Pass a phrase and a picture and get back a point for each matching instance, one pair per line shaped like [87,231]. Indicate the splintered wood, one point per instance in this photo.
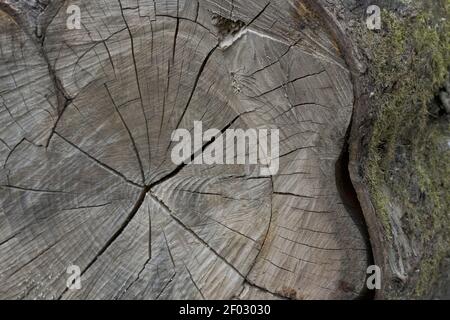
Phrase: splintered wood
[87,180]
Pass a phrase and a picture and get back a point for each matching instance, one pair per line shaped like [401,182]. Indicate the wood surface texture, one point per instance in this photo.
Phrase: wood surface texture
[86,118]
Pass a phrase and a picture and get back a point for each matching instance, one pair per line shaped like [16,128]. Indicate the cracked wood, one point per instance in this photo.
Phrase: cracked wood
[86,122]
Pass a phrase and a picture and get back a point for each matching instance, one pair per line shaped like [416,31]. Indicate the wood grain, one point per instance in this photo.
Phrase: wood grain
[86,122]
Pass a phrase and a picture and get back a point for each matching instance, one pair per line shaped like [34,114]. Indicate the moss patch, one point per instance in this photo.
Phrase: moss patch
[408,152]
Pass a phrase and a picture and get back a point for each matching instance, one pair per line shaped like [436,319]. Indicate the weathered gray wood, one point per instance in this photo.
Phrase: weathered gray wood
[89,181]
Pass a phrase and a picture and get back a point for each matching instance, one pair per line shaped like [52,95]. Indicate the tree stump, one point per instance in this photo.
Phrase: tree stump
[87,116]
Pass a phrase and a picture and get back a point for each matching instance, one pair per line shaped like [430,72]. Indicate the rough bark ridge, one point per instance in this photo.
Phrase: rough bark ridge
[86,123]
[401,210]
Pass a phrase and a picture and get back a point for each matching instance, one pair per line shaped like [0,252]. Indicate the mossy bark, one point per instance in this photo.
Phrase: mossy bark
[399,144]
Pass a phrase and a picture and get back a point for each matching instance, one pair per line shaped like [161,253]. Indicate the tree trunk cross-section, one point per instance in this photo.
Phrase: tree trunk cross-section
[86,119]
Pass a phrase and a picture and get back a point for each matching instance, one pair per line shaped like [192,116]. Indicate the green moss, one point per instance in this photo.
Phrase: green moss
[433,171]
[410,62]
[429,272]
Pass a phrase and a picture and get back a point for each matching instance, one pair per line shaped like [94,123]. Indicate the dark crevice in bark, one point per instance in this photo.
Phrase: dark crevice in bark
[356,68]
[351,203]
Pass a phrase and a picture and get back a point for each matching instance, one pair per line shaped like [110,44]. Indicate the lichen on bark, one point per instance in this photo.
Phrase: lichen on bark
[408,167]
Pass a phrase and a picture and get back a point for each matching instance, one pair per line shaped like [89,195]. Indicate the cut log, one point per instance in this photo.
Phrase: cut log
[87,177]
